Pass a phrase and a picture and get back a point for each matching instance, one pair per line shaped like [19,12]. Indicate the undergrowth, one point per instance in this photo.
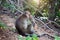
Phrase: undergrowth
[2,25]
[57,38]
[34,37]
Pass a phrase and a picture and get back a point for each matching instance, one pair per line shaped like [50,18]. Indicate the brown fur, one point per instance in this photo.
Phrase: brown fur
[22,25]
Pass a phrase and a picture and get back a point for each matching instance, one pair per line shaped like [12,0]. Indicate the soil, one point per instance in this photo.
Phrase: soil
[8,34]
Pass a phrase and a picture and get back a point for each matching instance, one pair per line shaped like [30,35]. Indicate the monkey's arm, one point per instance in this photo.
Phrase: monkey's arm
[32,19]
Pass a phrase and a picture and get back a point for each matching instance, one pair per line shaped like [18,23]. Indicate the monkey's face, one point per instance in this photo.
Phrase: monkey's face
[27,14]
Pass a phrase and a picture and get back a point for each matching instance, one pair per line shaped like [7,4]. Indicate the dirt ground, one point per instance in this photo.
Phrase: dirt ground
[8,34]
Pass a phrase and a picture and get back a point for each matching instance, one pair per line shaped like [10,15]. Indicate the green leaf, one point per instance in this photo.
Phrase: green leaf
[28,38]
[57,38]
[34,37]
[20,38]
[2,25]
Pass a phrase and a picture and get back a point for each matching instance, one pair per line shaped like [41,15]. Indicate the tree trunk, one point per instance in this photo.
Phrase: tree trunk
[52,10]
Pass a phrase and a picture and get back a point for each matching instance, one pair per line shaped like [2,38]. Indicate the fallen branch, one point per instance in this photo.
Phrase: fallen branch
[45,25]
[56,24]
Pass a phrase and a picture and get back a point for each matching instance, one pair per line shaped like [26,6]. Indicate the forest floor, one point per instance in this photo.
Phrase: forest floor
[8,34]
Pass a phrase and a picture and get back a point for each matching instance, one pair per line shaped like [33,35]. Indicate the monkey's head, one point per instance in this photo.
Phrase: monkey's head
[27,13]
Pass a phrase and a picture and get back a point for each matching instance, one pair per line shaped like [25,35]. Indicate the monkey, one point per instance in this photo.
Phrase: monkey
[25,24]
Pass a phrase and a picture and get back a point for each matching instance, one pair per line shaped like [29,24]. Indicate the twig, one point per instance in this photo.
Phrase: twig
[53,22]
[45,25]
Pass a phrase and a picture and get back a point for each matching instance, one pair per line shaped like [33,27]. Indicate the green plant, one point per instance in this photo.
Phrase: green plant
[57,38]
[34,37]
[28,38]
[9,6]
[20,38]
[2,25]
